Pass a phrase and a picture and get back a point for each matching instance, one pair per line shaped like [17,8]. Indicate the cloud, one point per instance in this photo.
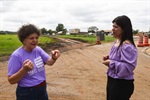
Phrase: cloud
[73,13]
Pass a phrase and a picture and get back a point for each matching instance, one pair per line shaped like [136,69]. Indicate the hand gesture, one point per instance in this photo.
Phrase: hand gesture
[106,60]
[105,57]
[28,65]
[55,54]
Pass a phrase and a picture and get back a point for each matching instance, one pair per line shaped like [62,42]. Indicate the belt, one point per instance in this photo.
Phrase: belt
[40,85]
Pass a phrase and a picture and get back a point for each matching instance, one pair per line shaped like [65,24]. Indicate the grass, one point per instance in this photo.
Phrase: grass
[88,39]
[9,43]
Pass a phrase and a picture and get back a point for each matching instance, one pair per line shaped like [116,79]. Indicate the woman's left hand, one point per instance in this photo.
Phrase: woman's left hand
[55,54]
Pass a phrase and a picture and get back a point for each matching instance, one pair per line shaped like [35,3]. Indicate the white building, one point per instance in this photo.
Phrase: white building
[74,31]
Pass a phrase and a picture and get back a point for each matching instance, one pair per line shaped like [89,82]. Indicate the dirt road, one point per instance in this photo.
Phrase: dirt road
[80,75]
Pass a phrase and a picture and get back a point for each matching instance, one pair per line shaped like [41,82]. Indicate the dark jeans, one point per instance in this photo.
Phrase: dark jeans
[31,93]
[119,89]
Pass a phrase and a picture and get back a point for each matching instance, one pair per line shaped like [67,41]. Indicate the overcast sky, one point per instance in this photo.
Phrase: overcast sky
[73,13]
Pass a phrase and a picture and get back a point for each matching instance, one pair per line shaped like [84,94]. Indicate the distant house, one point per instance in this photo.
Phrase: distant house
[74,31]
[83,33]
[60,32]
[106,31]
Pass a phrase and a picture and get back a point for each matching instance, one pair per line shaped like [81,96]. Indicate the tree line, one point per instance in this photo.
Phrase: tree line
[60,28]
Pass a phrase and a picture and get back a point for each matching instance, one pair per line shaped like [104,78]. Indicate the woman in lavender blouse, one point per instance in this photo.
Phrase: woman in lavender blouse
[121,61]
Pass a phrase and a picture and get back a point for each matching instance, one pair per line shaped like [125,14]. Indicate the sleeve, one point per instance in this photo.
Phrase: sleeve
[44,55]
[14,65]
[127,62]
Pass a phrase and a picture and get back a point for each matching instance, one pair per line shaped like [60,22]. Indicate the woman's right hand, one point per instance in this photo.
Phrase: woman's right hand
[28,65]
[105,57]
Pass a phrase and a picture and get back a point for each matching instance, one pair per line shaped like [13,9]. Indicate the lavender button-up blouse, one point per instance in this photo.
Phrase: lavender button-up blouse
[122,62]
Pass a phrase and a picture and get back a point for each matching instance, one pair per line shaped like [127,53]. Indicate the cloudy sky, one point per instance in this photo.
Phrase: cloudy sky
[73,13]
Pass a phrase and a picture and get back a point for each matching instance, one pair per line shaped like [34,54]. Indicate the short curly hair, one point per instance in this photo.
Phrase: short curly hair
[26,30]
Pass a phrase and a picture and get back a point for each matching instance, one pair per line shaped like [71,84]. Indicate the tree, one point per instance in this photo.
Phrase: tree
[135,31]
[60,27]
[92,29]
[44,31]
[49,31]
[65,31]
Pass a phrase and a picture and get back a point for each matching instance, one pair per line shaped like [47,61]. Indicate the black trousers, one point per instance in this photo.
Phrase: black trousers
[119,89]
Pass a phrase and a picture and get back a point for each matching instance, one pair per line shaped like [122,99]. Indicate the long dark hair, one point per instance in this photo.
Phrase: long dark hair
[125,23]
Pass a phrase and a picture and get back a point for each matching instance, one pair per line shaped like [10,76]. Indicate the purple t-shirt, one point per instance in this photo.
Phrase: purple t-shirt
[35,76]
[122,61]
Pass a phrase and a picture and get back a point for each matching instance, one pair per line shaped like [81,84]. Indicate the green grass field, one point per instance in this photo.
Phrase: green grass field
[9,43]
[89,39]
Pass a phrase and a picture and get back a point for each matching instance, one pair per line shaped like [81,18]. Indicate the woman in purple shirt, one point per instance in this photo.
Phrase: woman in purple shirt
[26,65]
[121,61]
